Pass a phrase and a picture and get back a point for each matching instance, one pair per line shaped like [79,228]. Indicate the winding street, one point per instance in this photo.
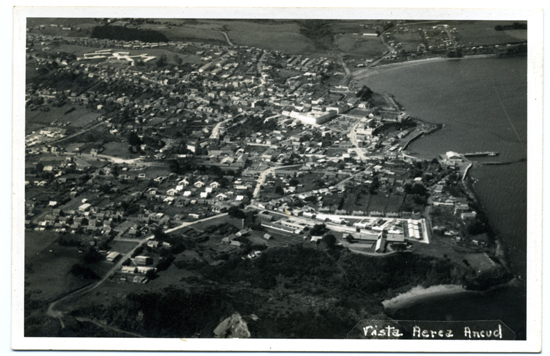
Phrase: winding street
[216,130]
[261,179]
[78,293]
[347,78]
[353,138]
[227,38]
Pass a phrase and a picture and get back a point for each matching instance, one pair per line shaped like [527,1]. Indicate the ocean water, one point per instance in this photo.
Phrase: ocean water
[483,105]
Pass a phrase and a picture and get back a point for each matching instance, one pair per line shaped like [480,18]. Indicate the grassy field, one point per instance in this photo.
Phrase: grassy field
[117,149]
[85,26]
[394,202]
[359,46]
[356,200]
[50,271]
[274,35]
[122,246]
[409,40]
[189,32]
[201,226]
[484,33]
[77,118]
[355,26]
[37,241]
[378,202]
[155,171]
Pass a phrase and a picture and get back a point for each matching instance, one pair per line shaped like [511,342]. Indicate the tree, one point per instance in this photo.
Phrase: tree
[39,167]
[476,227]
[92,255]
[174,166]
[159,234]
[329,240]
[133,139]
[318,229]
[150,274]
[235,212]
[279,190]
[161,61]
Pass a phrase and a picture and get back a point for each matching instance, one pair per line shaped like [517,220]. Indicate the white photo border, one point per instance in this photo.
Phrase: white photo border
[534,196]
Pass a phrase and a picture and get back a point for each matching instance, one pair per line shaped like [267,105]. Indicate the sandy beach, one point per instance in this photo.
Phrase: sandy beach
[418,292]
[364,73]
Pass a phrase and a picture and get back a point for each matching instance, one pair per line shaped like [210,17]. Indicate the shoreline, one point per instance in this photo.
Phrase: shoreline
[418,293]
[373,70]
[499,250]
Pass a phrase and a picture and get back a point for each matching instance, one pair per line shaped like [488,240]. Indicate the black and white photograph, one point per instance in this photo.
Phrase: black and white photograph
[226,180]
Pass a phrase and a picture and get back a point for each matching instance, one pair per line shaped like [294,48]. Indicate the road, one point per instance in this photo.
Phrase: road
[73,135]
[216,130]
[348,77]
[261,179]
[340,184]
[353,138]
[227,38]
[383,40]
[108,327]
[259,65]
[120,160]
[59,314]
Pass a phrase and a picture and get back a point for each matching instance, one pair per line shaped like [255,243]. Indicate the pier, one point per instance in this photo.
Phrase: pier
[417,135]
[488,153]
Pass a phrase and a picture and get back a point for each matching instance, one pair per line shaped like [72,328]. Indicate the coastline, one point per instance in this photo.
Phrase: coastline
[418,293]
[374,69]
[500,251]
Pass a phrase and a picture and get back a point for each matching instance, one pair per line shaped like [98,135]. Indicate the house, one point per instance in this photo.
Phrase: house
[143,260]
[468,215]
[153,243]
[204,195]
[199,184]
[221,197]
[140,279]
[229,238]
[113,256]
[267,236]
[214,185]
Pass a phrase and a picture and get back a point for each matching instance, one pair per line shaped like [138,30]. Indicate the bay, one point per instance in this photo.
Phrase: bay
[483,106]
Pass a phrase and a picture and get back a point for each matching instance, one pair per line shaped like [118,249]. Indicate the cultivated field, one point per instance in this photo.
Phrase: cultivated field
[484,33]
[79,117]
[122,247]
[409,40]
[356,45]
[50,271]
[202,32]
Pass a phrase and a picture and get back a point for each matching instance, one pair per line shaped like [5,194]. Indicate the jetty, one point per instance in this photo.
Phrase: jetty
[473,154]
[414,137]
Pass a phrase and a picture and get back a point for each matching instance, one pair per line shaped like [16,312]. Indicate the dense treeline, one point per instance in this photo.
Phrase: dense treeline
[127,34]
[340,287]
[514,26]
[319,31]
[169,313]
